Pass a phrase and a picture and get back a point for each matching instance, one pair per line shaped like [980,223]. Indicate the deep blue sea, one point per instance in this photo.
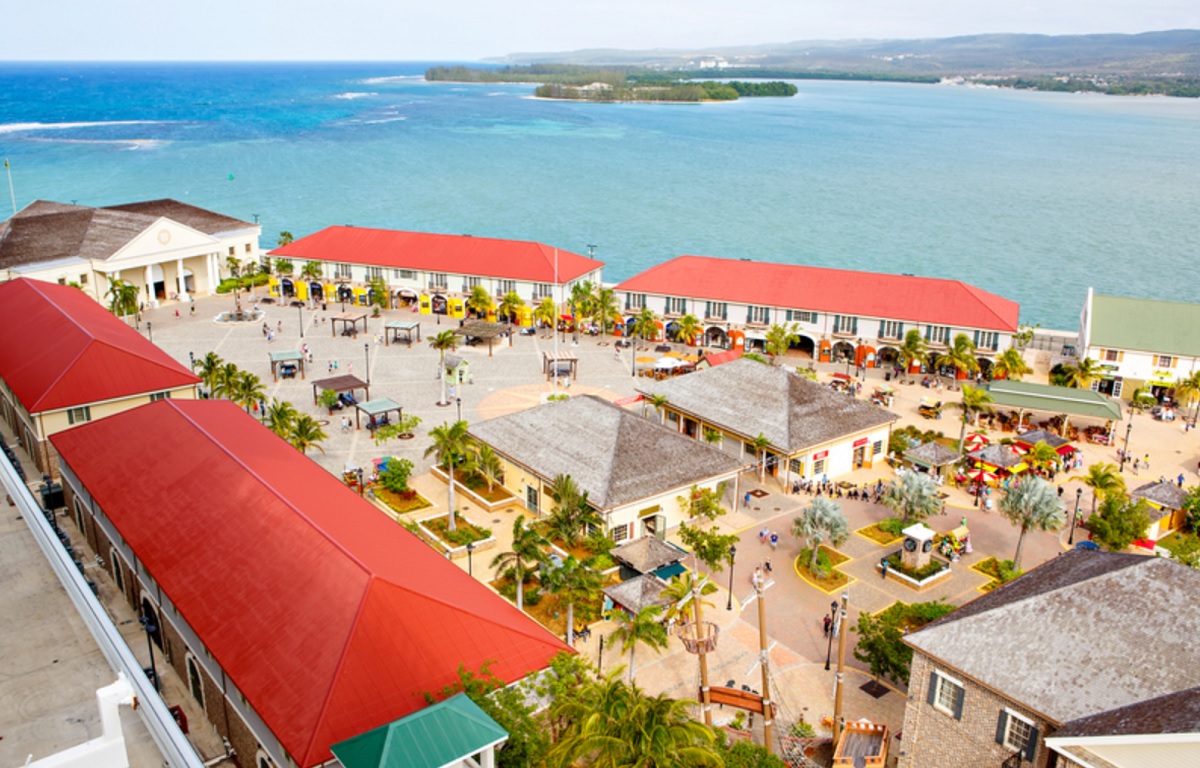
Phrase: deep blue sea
[1033,196]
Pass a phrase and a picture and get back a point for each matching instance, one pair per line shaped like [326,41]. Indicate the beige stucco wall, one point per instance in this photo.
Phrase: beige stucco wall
[52,422]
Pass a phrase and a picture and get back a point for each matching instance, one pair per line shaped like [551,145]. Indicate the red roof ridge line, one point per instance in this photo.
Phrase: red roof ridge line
[287,502]
[91,336]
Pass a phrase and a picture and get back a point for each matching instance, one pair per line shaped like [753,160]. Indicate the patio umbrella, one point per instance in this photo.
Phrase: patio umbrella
[667,363]
[673,353]
[841,377]
[975,441]
[646,359]
[983,476]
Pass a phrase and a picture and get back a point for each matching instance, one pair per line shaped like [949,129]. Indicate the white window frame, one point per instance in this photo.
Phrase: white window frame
[1163,361]
[758,315]
[156,396]
[716,310]
[504,287]
[676,305]
[891,329]
[374,273]
[635,301]
[953,683]
[80,415]
[1030,728]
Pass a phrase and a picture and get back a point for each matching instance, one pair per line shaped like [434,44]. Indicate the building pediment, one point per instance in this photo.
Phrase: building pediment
[162,240]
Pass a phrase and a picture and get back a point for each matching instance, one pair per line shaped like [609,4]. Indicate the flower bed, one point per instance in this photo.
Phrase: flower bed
[919,579]
[878,535]
[833,579]
[996,571]
[464,531]
[400,503]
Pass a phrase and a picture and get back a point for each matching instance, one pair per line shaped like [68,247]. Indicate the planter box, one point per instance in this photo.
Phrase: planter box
[893,573]
[452,552]
[490,506]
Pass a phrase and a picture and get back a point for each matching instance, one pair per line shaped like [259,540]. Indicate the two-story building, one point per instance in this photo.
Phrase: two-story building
[65,360]
[1039,671]
[840,315]
[297,614]
[1139,343]
[167,249]
[811,430]
[633,470]
[434,272]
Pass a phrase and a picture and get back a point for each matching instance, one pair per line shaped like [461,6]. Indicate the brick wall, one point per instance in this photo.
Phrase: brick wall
[933,738]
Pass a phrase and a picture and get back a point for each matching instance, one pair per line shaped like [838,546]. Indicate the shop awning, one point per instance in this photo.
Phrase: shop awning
[440,735]
[668,572]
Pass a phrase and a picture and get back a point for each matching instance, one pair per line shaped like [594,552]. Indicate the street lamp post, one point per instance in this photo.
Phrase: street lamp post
[192,359]
[732,556]
[367,350]
[150,630]
[149,331]
[361,490]
[470,549]
[833,615]
[1075,516]
[1124,453]
[458,405]
[300,312]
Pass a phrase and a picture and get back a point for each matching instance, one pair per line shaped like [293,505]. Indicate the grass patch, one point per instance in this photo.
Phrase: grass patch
[878,535]
[826,577]
[464,533]
[934,566]
[1180,540]
[400,503]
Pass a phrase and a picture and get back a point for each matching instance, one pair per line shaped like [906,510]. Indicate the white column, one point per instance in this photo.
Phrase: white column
[209,260]
[179,281]
[149,286]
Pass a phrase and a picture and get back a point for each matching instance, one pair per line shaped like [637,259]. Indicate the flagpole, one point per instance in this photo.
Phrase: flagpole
[555,322]
[11,196]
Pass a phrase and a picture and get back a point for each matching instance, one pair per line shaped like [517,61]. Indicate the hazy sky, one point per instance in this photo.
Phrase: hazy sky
[474,29]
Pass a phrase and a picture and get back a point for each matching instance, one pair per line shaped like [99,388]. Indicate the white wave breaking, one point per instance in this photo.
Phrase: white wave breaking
[354,95]
[24,127]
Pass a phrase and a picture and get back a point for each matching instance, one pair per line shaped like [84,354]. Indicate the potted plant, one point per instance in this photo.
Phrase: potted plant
[406,424]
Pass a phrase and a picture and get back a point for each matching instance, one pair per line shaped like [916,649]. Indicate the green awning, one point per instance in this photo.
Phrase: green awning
[667,572]
[438,736]
[1026,396]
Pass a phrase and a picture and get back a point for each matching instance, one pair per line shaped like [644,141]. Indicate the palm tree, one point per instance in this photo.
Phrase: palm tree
[488,465]
[449,448]
[285,238]
[761,444]
[660,403]
[573,582]
[248,391]
[612,724]
[780,338]
[208,366]
[1081,375]
[960,355]
[641,627]
[605,308]
[281,415]
[123,297]
[311,271]
[1041,456]
[913,350]
[914,495]
[546,312]
[528,549]
[646,324]
[446,340]
[687,328]
[225,380]
[480,302]
[1011,365]
[975,400]
[681,592]
[1104,480]
[1187,391]
[307,433]
[1032,504]
[822,520]
[509,303]
[284,267]
[581,302]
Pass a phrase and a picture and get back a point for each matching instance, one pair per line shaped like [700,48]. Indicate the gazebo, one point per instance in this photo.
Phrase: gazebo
[649,555]
[339,384]
[1027,440]
[1166,500]
[998,458]
[481,330]
[349,321]
[376,410]
[394,328]
[286,356]
[552,363]
[932,456]
[637,593]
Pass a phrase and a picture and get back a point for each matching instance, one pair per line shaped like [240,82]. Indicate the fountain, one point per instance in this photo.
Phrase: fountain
[240,315]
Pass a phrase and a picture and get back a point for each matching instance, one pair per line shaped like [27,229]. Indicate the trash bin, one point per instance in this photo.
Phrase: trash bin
[887,376]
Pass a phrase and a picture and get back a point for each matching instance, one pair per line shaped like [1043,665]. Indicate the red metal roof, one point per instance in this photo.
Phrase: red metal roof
[452,254]
[871,294]
[70,351]
[330,618]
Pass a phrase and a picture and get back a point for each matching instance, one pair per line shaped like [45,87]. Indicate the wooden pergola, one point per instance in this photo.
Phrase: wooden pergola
[349,321]
[552,360]
[286,356]
[396,327]
[340,384]
[482,330]
[376,408]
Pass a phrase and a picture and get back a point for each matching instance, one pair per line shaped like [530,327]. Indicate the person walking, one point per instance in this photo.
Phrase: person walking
[767,565]
[746,499]
[774,540]
[883,569]
[826,622]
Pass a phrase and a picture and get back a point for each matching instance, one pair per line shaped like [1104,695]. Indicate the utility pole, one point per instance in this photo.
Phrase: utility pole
[768,714]
[705,697]
[837,696]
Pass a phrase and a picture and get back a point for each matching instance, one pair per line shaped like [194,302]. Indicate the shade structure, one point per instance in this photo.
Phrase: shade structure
[667,364]
[975,441]
[841,376]
[982,476]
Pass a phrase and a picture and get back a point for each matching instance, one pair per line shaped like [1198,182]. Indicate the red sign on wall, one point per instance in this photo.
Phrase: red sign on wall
[821,455]
[860,441]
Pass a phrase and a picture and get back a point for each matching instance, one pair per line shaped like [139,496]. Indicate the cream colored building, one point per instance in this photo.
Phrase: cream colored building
[169,250]
[633,470]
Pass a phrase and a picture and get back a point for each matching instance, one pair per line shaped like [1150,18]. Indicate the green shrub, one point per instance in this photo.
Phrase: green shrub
[533,595]
[1005,572]
[508,589]
[395,477]
[226,285]
[892,525]
[803,730]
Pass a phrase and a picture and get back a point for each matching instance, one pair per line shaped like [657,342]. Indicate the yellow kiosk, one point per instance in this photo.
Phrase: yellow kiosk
[456,307]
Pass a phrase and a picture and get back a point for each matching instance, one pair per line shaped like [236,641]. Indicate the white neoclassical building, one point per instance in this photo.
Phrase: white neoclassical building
[168,249]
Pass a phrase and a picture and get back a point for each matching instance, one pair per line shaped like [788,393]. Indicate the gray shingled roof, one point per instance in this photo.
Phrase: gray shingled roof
[647,554]
[46,231]
[1036,436]
[616,456]
[748,398]
[997,455]
[933,454]
[1177,712]
[1164,493]
[638,592]
[1084,633]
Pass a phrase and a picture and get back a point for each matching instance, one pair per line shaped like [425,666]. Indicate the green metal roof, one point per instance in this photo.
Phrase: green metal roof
[284,355]
[378,406]
[435,737]
[1027,396]
[1165,327]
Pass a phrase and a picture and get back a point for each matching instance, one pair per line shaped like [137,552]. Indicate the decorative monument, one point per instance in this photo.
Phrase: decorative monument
[918,546]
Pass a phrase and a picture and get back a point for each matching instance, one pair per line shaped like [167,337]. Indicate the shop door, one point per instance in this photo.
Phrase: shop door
[860,454]
[531,498]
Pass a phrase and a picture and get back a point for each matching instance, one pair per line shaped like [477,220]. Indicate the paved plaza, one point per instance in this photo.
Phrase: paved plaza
[511,379]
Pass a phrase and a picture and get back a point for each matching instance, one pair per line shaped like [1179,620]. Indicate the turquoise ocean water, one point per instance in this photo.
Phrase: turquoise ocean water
[1032,196]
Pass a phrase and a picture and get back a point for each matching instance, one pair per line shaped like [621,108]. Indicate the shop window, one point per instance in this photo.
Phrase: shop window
[819,467]
[801,316]
[620,533]
[542,291]
[986,339]
[374,273]
[946,694]
[876,447]
[937,334]
[796,466]
[79,415]
[635,300]
[716,310]
[758,315]
[470,284]
[890,329]
[845,325]
[1164,361]
[83,279]
[505,286]
[406,274]
[676,306]
[1111,355]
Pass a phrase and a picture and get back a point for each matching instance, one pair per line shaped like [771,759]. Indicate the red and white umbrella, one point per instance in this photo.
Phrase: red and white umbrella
[975,441]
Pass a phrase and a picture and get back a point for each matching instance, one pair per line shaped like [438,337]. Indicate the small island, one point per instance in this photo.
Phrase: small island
[603,84]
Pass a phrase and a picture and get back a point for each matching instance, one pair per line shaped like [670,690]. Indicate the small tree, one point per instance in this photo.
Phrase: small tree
[328,399]
[1032,505]
[528,551]
[780,338]
[913,495]
[710,547]
[822,520]
[307,433]
[573,582]
[395,475]
[1120,522]
[641,627]
[704,503]
[881,648]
